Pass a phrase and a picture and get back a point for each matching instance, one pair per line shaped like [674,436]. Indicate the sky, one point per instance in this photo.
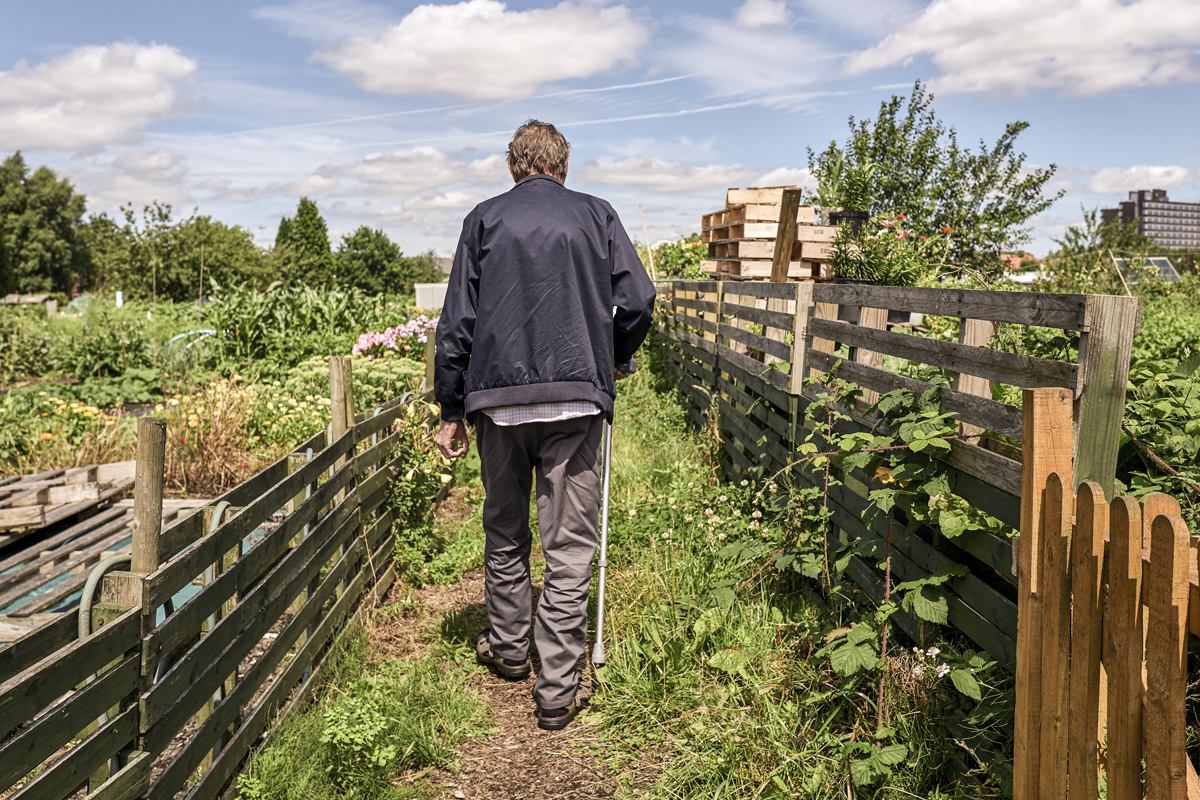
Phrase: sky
[396,115]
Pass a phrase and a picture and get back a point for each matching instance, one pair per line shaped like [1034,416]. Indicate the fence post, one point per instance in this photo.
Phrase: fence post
[341,404]
[1047,449]
[1087,565]
[121,590]
[430,360]
[785,235]
[1104,347]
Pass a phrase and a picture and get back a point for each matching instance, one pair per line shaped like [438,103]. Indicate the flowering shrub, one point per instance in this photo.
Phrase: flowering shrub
[407,340]
[888,251]
[42,430]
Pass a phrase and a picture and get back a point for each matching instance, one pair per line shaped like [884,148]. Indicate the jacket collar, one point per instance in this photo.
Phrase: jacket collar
[537,177]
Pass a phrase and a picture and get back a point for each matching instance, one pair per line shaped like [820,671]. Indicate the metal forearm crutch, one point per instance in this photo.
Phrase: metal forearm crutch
[598,649]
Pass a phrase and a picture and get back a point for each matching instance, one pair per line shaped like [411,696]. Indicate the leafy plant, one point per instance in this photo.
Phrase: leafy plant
[886,251]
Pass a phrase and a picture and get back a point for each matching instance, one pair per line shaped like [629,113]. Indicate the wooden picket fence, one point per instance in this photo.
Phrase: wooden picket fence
[175,686]
[1108,593]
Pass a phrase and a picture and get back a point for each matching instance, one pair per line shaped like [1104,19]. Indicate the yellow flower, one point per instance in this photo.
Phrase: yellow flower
[46,436]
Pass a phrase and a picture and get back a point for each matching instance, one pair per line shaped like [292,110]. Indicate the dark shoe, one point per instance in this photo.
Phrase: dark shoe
[505,668]
[555,719]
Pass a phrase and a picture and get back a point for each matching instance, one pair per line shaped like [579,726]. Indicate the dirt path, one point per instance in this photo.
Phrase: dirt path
[518,761]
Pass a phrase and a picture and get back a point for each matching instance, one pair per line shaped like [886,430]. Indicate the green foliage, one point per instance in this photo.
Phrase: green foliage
[302,253]
[369,260]
[156,256]
[914,165]
[385,719]
[1083,260]
[679,259]
[888,252]
[40,246]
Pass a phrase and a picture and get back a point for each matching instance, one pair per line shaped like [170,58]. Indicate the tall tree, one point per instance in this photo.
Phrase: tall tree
[302,246]
[908,161]
[40,244]
[369,260]
[157,256]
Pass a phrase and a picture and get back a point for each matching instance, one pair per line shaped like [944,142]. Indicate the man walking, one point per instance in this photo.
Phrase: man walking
[529,349]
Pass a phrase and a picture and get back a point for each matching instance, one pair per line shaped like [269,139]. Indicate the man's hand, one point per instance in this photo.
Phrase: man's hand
[452,439]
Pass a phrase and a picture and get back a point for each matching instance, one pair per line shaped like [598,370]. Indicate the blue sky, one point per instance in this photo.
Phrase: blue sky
[396,115]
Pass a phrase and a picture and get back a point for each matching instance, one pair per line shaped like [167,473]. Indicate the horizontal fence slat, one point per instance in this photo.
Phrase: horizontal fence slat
[757,341]
[764,372]
[38,644]
[981,411]
[61,778]
[774,291]
[1010,368]
[1063,311]
[25,694]
[45,735]
[772,319]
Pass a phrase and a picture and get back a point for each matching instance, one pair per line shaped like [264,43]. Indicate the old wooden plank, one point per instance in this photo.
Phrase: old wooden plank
[974,333]
[1122,655]
[1165,721]
[130,783]
[764,372]
[785,236]
[780,320]
[1003,473]
[1063,311]
[1104,363]
[801,315]
[759,289]
[44,735]
[25,694]
[38,644]
[870,318]
[981,411]
[62,777]
[1087,566]
[1054,582]
[1047,450]
[1010,368]
[757,341]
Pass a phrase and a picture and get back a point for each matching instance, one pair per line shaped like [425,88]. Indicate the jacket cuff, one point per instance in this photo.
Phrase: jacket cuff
[452,413]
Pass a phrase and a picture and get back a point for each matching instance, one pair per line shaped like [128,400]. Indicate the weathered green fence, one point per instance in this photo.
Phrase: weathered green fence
[220,625]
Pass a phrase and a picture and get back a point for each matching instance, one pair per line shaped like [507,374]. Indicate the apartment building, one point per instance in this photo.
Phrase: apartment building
[1166,222]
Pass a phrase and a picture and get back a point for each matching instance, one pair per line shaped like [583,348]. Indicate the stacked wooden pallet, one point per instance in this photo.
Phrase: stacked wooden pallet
[31,502]
[741,237]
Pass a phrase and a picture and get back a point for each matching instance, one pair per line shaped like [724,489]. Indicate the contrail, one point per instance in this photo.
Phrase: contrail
[460,106]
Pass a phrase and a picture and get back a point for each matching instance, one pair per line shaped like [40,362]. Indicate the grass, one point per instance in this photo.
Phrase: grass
[727,684]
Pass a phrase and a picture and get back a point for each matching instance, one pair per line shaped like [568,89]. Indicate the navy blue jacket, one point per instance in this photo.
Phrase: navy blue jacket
[528,316]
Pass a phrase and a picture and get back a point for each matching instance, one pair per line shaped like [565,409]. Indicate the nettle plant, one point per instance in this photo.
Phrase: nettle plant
[909,488]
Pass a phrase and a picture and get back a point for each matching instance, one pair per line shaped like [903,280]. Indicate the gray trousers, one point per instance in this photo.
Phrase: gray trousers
[565,458]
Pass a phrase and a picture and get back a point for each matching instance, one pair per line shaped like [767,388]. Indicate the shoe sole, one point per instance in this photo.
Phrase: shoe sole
[555,725]
[518,674]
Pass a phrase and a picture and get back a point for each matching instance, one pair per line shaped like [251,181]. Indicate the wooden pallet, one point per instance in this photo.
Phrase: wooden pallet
[757,269]
[34,501]
[751,213]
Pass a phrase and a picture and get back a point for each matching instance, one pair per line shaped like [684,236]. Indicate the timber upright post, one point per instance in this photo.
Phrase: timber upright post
[1047,444]
[341,396]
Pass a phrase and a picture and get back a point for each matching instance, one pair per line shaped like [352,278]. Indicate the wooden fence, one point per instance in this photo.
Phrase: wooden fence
[168,695]
[745,350]
[1106,592]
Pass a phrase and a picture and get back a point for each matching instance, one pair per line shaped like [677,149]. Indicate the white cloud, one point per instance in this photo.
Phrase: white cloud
[871,18]
[660,175]
[789,176]
[416,169]
[132,176]
[1076,46]
[90,96]
[761,13]
[1141,176]
[481,50]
